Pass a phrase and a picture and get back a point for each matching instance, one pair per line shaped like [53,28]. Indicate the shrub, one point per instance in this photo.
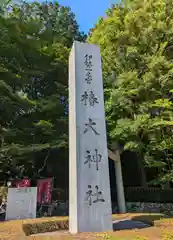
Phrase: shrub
[45,226]
[3,193]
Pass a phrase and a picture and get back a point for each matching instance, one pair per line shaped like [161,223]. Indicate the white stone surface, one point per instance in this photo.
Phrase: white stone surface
[21,203]
[84,217]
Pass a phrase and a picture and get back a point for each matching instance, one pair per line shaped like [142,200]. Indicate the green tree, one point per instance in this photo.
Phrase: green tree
[35,42]
[136,47]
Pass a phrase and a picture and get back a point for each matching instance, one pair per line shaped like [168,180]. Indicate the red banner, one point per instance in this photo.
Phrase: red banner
[23,183]
[44,190]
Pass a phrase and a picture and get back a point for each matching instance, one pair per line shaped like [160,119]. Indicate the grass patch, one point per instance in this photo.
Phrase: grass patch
[167,234]
[165,222]
[17,230]
[108,237]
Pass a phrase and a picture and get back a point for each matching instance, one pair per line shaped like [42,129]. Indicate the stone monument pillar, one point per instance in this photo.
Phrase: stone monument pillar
[89,187]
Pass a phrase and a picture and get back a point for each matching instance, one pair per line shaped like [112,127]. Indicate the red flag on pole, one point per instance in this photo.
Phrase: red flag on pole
[44,190]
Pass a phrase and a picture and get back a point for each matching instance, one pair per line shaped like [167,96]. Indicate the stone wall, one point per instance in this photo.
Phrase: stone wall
[166,208]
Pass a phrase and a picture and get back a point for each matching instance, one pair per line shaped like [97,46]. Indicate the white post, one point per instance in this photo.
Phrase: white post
[115,156]
[89,187]
[119,184]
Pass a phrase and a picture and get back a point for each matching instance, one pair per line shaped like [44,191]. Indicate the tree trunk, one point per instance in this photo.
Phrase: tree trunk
[142,172]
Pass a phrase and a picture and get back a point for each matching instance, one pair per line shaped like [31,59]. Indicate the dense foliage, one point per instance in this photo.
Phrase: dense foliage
[35,40]
[136,41]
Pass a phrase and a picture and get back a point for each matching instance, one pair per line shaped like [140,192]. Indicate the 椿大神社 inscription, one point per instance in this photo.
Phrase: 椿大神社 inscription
[89,188]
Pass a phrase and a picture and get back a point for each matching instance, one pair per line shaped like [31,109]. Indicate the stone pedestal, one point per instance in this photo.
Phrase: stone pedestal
[89,196]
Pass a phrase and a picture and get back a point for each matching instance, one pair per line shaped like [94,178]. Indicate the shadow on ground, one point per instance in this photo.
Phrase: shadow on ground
[149,218]
[137,222]
[128,224]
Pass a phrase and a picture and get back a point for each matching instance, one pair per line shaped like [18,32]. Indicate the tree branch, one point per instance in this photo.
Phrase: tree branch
[45,162]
